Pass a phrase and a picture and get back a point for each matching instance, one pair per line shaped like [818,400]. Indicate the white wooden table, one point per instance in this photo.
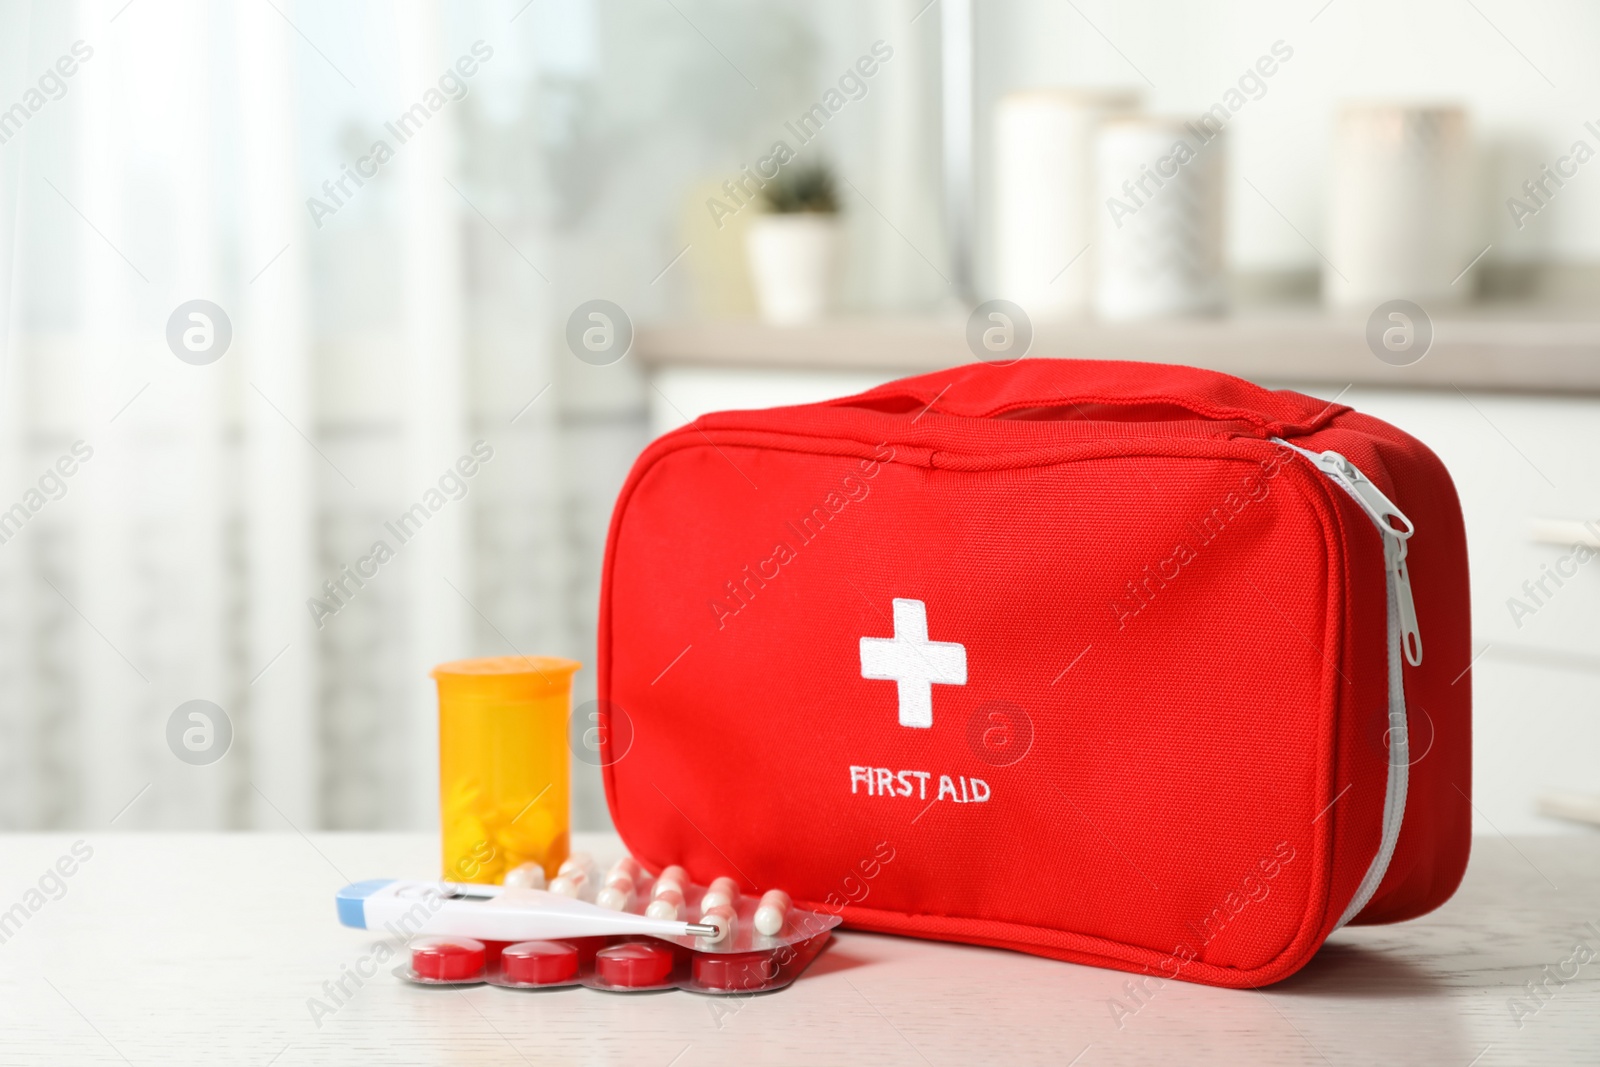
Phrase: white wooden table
[207,948]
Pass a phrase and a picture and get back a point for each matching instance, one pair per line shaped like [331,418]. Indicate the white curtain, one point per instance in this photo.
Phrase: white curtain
[175,163]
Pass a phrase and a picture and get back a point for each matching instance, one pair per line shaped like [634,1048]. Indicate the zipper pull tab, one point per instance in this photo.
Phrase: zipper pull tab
[1394,554]
[1379,507]
[1393,526]
[1396,529]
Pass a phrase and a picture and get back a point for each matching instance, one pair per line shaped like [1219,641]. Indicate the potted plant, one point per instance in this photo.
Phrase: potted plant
[793,246]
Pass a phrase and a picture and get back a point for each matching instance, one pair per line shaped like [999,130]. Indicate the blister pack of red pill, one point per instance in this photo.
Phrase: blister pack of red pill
[618,965]
[735,943]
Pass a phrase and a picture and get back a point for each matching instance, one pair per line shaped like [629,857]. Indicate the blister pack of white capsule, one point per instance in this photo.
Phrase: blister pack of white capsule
[624,931]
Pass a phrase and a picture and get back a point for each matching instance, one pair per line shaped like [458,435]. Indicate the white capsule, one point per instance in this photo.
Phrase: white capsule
[723,891]
[526,876]
[616,896]
[720,916]
[575,884]
[629,866]
[673,877]
[666,905]
[580,861]
[773,912]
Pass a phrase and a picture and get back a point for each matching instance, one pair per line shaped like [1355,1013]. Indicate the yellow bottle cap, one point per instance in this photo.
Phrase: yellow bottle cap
[508,678]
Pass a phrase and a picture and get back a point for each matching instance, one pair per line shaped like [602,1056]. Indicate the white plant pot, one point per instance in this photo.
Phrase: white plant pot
[794,263]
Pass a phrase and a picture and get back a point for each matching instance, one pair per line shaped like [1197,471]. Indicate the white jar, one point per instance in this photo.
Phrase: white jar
[1160,218]
[1399,223]
[794,263]
[1044,208]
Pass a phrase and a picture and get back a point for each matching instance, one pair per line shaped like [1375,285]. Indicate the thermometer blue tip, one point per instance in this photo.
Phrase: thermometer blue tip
[351,911]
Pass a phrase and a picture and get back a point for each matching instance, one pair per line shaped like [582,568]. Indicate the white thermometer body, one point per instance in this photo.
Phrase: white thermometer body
[490,913]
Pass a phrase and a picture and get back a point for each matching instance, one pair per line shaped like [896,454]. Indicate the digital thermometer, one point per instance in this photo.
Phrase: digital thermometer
[491,913]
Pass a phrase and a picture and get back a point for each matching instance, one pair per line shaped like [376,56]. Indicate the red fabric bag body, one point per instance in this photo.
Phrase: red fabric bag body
[1108,662]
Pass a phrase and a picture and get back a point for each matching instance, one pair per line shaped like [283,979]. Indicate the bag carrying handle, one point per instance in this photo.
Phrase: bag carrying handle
[983,390]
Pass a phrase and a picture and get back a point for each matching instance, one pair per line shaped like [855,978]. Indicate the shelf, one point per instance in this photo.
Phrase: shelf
[1512,349]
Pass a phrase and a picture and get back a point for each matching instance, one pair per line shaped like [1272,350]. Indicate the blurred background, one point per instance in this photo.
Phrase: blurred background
[269,268]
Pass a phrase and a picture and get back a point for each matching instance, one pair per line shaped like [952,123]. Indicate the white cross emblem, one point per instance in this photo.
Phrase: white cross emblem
[913,662]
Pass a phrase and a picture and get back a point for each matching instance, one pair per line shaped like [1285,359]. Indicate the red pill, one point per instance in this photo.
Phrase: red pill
[447,959]
[735,970]
[539,962]
[634,964]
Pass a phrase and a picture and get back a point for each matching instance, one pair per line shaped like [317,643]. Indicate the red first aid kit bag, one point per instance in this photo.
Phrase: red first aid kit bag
[1133,665]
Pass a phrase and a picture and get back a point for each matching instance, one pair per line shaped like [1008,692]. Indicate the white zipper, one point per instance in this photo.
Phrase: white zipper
[1404,640]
